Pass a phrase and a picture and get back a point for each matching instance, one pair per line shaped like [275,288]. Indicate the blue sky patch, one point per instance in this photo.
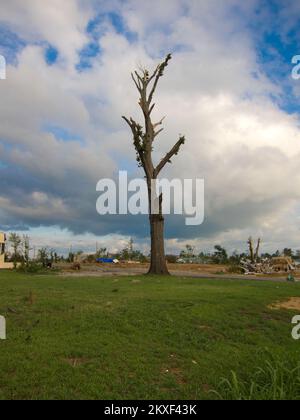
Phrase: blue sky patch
[89,52]
[61,133]
[51,55]
[96,27]
[10,44]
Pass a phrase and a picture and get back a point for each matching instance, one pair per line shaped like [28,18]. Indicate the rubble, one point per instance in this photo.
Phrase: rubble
[268,265]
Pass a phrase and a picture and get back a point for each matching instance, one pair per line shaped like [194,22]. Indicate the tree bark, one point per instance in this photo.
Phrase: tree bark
[257,250]
[158,258]
[158,264]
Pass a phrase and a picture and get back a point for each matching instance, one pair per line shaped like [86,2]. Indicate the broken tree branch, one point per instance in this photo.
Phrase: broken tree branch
[136,82]
[137,137]
[158,132]
[167,159]
[159,123]
[159,72]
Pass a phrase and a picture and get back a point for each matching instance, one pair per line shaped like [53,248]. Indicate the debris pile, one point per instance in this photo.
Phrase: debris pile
[263,267]
[268,265]
[255,265]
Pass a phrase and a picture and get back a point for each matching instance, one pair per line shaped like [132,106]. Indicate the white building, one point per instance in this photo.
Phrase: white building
[3,264]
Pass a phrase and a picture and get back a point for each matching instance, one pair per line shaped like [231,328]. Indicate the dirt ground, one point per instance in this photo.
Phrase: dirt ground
[291,304]
[134,269]
[183,270]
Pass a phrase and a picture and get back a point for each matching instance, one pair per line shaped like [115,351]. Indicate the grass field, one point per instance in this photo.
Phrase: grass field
[146,338]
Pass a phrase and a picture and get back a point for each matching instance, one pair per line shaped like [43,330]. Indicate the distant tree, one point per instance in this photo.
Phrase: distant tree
[71,257]
[91,258]
[205,258]
[253,253]
[26,249]
[124,254]
[130,254]
[52,255]
[256,255]
[220,256]
[16,242]
[43,256]
[188,252]
[235,258]
[127,253]
[138,256]
[101,253]
[130,246]
[288,252]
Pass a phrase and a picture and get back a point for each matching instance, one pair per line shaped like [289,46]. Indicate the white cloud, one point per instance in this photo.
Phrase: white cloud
[62,24]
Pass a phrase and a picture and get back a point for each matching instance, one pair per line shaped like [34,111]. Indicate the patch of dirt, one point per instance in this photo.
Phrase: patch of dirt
[74,362]
[204,327]
[203,268]
[291,304]
[180,379]
[177,374]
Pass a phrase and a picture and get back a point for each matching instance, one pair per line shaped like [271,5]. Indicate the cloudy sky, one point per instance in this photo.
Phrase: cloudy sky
[229,89]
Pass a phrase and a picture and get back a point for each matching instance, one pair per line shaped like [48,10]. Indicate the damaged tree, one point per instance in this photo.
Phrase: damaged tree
[253,255]
[143,140]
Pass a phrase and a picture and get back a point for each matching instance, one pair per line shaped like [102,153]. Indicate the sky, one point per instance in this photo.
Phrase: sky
[229,90]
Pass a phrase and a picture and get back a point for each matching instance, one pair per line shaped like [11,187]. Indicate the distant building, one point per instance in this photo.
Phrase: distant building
[3,264]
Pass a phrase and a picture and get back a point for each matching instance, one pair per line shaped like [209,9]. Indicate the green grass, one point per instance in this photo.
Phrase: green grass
[275,381]
[160,338]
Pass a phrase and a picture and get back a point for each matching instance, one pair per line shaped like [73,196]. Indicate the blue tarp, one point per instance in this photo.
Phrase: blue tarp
[105,260]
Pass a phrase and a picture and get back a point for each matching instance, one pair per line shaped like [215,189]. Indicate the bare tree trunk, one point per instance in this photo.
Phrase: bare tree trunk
[158,258]
[157,224]
[257,250]
[251,250]
[254,255]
